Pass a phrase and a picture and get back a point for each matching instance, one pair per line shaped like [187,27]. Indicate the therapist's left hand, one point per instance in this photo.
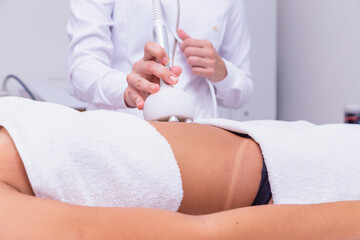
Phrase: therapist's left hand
[203,58]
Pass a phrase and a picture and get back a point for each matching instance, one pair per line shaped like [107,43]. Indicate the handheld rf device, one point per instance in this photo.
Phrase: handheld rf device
[169,104]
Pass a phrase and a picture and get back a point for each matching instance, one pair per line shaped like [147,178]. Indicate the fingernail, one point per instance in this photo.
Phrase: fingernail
[139,105]
[153,88]
[173,79]
[165,60]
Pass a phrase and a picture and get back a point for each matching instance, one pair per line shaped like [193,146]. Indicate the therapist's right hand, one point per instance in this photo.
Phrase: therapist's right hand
[145,75]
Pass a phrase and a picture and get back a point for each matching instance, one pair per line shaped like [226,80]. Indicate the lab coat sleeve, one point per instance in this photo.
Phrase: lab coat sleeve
[89,58]
[235,90]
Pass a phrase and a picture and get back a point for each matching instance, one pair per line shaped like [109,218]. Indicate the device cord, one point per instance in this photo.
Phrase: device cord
[178,40]
[11,76]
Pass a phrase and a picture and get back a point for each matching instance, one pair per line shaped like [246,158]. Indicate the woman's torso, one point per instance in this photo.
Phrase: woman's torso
[219,170]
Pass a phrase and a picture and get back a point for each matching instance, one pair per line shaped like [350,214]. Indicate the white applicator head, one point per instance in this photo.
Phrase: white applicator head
[169,103]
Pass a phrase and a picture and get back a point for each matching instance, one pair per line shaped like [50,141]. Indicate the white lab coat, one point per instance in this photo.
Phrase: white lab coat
[108,36]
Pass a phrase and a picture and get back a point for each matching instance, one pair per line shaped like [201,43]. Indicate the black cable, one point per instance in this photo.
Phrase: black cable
[20,82]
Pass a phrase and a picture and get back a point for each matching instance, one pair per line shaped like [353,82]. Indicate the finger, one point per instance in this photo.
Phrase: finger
[154,68]
[183,35]
[152,78]
[145,95]
[153,51]
[176,70]
[141,84]
[204,72]
[200,52]
[133,98]
[190,42]
[201,62]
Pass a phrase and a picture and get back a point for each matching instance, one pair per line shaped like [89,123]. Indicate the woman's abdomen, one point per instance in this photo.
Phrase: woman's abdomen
[219,170]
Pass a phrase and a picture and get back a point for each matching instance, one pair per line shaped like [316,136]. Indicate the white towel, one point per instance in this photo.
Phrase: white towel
[306,163]
[97,158]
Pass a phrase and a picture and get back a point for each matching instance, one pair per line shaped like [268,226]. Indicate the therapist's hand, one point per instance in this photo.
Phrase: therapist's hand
[203,58]
[145,75]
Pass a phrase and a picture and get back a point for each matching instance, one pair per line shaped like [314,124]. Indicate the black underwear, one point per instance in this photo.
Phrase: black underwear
[264,194]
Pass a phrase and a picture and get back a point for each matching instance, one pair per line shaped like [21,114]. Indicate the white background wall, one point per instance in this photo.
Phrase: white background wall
[319,59]
[33,39]
[33,45]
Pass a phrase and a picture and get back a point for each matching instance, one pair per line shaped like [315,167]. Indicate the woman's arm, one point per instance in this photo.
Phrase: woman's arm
[27,217]
[91,49]
[335,221]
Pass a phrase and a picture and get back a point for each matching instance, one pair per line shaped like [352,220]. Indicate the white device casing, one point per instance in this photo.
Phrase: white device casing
[168,102]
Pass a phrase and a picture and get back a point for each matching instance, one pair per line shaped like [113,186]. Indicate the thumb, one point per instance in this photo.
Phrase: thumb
[183,35]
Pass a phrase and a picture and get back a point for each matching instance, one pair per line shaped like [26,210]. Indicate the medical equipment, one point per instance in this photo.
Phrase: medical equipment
[352,113]
[54,90]
[5,92]
[169,104]
[211,86]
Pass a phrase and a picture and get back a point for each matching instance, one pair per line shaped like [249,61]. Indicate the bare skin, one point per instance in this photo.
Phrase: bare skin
[220,172]
[203,58]
[144,77]
[23,216]
[143,80]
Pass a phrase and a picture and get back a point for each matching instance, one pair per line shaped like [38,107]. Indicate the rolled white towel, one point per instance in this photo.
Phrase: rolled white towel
[96,158]
[307,163]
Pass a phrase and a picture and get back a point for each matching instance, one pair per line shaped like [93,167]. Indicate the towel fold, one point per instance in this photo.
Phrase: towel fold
[96,158]
[306,163]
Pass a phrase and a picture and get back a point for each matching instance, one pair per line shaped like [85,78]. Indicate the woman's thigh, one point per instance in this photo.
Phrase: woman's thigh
[12,171]
[219,170]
